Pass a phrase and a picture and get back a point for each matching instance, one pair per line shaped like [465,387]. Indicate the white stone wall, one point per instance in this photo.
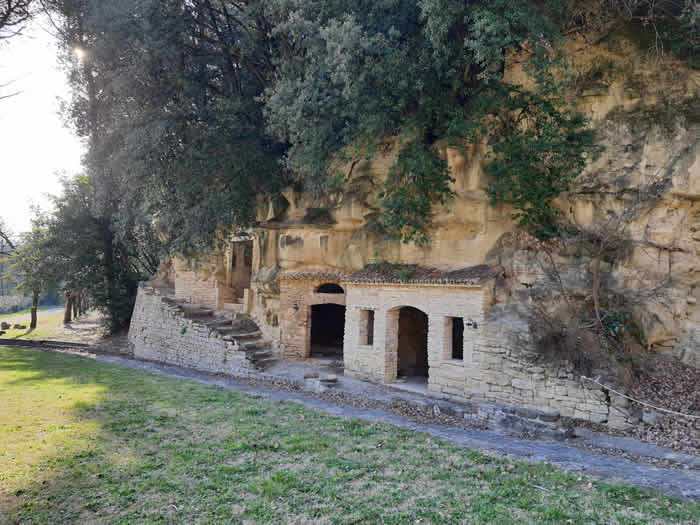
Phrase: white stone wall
[498,365]
[159,332]
[378,362]
[506,370]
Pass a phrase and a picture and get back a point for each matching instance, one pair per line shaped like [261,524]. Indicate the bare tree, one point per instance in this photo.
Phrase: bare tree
[579,312]
[14,14]
[6,243]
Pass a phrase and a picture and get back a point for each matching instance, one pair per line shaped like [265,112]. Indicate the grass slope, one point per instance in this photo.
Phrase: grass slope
[82,441]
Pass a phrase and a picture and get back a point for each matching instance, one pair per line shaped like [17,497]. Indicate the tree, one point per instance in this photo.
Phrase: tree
[28,264]
[193,108]
[6,243]
[14,14]
[90,259]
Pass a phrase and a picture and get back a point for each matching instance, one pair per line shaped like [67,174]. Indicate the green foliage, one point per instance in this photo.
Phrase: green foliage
[539,148]
[417,181]
[193,108]
[29,264]
[88,252]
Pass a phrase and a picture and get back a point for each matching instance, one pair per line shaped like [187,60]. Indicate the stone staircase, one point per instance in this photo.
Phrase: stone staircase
[232,327]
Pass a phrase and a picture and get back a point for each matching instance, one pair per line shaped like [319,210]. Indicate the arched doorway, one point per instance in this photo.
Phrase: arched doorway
[327,330]
[412,350]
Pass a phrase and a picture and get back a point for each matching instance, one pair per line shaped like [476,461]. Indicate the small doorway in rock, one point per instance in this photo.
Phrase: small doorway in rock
[327,330]
[413,345]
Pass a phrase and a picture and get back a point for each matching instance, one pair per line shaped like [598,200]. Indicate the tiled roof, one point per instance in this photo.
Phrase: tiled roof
[417,274]
[312,276]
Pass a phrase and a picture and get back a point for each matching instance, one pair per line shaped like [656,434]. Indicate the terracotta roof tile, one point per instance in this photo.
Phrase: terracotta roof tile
[417,274]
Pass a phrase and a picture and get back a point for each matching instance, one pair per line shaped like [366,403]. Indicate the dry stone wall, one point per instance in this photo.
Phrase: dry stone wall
[193,288]
[160,332]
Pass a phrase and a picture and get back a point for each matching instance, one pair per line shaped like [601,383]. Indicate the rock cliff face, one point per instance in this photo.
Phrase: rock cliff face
[630,248]
[646,113]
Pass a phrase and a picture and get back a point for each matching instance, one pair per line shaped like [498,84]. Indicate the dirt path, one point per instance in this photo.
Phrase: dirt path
[85,329]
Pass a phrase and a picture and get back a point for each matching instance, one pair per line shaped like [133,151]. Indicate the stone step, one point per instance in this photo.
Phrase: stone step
[219,323]
[258,355]
[249,335]
[243,340]
[196,316]
[265,362]
[245,325]
[259,344]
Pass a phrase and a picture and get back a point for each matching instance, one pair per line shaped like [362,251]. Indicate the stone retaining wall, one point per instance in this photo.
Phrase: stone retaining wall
[160,332]
[506,371]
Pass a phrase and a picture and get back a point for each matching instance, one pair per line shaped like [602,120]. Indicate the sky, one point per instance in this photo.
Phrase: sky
[35,145]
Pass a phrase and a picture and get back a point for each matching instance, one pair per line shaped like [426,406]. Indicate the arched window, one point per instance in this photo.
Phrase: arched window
[329,288]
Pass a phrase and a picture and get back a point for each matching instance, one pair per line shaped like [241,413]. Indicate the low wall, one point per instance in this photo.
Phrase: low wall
[505,371]
[160,332]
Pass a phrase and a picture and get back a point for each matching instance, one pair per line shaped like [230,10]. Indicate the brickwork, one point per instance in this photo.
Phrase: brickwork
[379,361]
[192,288]
[496,365]
[159,332]
[297,296]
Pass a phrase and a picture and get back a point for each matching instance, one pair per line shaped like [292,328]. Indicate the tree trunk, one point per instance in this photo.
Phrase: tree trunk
[68,308]
[109,275]
[76,312]
[35,306]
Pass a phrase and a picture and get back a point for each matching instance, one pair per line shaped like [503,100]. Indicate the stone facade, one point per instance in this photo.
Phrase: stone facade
[160,332]
[298,294]
[301,241]
[379,361]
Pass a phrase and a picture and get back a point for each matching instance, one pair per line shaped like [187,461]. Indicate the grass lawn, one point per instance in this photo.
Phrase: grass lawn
[85,442]
[26,312]
[47,325]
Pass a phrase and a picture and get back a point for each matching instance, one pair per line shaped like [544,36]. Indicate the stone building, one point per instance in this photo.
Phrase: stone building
[317,279]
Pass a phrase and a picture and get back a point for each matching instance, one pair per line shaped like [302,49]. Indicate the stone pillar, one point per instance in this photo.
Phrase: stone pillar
[390,344]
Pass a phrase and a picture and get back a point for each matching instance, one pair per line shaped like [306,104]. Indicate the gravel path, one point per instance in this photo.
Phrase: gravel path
[681,480]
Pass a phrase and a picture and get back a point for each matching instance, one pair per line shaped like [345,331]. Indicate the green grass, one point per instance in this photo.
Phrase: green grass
[27,311]
[48,325]
[85,442]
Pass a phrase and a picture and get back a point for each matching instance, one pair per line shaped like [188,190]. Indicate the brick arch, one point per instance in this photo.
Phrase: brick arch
[330,288]
[297,298]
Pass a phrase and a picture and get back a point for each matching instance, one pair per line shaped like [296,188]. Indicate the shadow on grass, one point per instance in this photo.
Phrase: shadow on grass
[98,443]
[20,336]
